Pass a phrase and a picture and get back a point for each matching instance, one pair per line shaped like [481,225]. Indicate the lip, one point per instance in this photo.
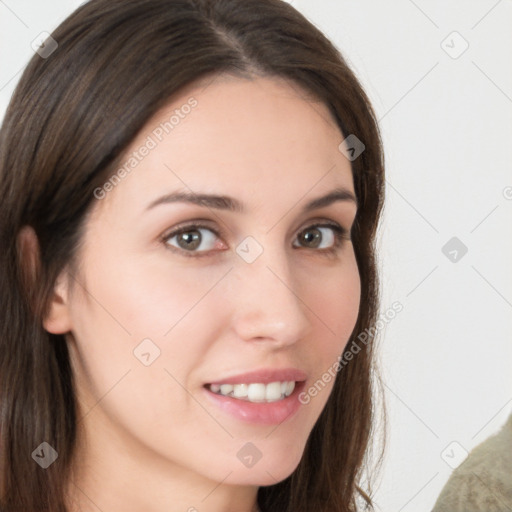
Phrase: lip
[262,413]
[264,376]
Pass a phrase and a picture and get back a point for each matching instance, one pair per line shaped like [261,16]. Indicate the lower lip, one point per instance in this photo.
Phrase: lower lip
[263,413]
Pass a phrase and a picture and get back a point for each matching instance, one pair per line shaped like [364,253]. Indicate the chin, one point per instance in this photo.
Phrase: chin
[269,470]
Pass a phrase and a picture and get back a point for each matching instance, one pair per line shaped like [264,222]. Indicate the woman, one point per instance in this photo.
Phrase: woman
[192,190]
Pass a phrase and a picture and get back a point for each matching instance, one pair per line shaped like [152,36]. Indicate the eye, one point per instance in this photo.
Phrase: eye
[190,238]
[190,241]
[328,237]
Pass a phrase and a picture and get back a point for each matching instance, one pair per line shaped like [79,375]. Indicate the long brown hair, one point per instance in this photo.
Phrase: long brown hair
[72,114]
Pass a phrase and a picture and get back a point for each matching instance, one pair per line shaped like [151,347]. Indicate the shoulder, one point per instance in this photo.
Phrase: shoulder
[483,482]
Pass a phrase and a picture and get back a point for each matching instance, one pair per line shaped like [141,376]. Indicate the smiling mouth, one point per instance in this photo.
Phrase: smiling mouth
[255,392]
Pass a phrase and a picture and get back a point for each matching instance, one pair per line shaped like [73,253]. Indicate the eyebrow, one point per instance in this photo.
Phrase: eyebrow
[232,204]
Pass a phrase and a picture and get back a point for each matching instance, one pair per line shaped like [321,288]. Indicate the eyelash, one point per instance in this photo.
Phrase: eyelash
[340,234]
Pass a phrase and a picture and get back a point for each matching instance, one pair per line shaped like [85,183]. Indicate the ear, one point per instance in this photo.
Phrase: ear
[58,319]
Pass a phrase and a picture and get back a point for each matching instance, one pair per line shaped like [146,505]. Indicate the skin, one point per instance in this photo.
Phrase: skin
[149,440]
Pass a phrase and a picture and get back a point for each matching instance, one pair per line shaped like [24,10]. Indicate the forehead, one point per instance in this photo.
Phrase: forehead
[261,139]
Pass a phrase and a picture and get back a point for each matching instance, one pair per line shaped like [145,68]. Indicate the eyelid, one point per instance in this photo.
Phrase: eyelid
[340,232]
[189,226]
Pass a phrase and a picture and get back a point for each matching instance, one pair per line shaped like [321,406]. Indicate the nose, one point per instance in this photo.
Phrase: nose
[268,306]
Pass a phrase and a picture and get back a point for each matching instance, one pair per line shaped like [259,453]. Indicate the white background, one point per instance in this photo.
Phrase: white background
[447,129]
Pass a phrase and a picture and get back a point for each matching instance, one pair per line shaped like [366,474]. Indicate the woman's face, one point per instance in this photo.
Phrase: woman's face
[247,296]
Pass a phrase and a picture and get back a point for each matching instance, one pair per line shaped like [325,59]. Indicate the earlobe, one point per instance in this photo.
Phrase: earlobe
[58,320]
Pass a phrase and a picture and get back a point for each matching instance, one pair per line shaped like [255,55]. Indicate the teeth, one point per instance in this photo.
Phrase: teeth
[273,391]
[225,389]
[240,390]
[255,392]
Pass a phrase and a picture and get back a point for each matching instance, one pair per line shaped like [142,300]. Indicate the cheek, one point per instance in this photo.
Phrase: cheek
[118,321]
[148,298]
[336,300]
[119,306]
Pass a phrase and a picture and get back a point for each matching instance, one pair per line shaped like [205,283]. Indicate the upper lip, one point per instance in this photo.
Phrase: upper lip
[264,376]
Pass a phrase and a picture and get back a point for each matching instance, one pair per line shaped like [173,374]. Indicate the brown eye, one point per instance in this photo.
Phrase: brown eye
[197,240]
[191,238]
[314,236]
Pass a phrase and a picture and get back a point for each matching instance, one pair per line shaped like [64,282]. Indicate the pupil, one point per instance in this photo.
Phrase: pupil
[314,238]
[191,239]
